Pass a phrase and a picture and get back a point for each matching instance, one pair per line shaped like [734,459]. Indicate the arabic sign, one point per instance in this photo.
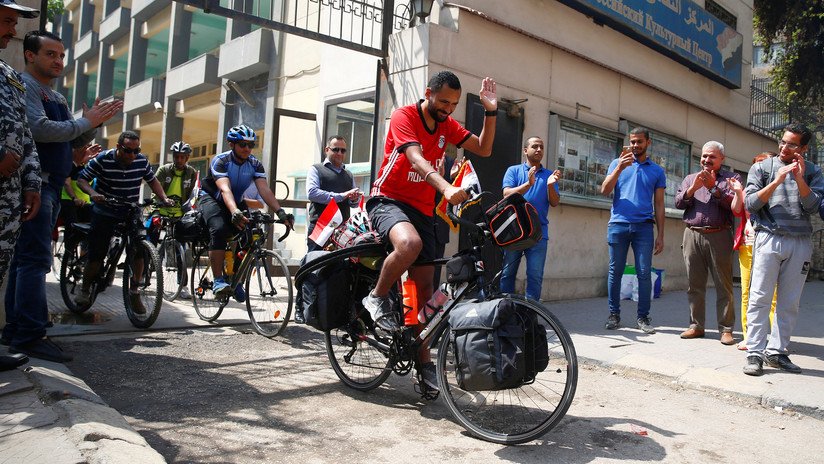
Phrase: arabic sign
[680,29]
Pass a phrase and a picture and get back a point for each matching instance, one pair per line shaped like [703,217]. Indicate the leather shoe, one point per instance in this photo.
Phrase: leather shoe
[692,332]
[12,361]
[726,338]
[782,361]
[755,366]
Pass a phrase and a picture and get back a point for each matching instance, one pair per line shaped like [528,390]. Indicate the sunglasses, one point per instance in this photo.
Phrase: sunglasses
[245,144]
[130,151]
[338,150]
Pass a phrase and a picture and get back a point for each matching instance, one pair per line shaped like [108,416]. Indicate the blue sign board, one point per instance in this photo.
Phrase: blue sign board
[680,29]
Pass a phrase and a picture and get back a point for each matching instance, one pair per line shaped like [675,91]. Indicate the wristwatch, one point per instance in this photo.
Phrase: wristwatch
[713,190]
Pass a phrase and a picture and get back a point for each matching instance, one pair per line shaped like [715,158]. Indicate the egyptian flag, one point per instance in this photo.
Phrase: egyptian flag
[328,221]
[465,178]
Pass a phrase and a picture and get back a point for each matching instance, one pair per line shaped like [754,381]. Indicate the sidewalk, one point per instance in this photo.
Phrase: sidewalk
[48,415]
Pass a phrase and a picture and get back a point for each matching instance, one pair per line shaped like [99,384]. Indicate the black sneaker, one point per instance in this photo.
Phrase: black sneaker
[429,376]
[755,366]
[782,361]
[42,348]
[381,311]
[645,324]
[613,321]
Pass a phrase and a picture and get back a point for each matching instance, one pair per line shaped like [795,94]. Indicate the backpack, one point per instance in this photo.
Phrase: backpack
[323,294]
[514,223]
[488,339]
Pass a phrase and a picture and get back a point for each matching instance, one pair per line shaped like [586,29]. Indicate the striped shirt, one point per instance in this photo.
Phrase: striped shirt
[116,181]
[786,212]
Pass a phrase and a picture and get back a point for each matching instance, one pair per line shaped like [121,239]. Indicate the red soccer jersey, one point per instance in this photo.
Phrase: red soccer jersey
[396,178]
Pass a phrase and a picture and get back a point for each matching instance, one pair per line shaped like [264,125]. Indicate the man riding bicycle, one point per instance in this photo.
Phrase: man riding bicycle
[221,199]
[119,173]
[178,180]
[403,194]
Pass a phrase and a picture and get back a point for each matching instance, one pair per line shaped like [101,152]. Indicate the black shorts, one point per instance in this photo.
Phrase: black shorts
[385,213]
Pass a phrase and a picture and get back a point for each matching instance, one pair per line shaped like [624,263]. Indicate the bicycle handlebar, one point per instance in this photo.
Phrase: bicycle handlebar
[473,196]
[265,218]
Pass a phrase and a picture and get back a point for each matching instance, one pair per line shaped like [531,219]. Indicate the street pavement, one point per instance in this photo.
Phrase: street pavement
[48,415]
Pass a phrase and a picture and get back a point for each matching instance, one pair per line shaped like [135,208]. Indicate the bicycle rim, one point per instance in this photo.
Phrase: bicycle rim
[357,364]
[171,263]
[207,306]
[72,265]
[269,294]
[520,414]
[144,306]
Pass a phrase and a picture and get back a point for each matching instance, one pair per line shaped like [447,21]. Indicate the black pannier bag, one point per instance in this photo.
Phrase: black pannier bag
[488,342]
[514,223]
[536,351]
[323,294]
[191,227]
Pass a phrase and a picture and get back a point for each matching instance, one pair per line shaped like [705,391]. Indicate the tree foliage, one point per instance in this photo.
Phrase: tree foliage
[799,66]
[55,8]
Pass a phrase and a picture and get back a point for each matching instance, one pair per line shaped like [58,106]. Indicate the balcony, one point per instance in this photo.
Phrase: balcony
[193,77]
[86,47]
[145,9]
[142,96]
[246,57]
[115,25]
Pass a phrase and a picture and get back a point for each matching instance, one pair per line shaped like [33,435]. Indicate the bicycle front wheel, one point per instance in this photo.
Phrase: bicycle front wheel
[522,414]
[170,252]
[72,264]
[269,294]
[142,285]
[207,306]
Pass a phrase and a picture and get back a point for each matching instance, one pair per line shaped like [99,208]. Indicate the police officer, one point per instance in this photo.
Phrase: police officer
[19,164]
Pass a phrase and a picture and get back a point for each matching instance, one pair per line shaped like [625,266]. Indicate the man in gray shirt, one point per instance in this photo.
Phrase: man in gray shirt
[782,192]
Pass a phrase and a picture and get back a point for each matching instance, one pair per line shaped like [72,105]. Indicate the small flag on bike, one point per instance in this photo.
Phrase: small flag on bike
[465,178]
[327,222]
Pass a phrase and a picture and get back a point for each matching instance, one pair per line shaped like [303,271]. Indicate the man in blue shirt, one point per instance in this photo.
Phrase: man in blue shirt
[636,181]
[538,186]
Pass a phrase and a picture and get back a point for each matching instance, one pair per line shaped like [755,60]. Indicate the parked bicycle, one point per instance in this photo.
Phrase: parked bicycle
[362,356]
[262,273]
[129,236]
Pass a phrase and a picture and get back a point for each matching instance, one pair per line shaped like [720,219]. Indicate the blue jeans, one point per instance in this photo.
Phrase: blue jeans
[26,309]
[620,235]
[535,259]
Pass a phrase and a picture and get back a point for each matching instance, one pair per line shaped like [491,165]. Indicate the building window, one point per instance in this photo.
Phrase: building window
[672,154]
[759,55]
[719,12]
[584,153]
[354,120]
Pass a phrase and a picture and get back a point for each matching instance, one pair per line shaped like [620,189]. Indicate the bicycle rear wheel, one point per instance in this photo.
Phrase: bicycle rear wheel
[72,264]
[207,306]
[522,414]
[170,252]
[268,294]
[143,307]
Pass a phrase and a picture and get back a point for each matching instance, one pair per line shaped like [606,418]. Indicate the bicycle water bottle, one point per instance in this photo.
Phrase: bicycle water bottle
[439,298]
[410,303]
[229,261]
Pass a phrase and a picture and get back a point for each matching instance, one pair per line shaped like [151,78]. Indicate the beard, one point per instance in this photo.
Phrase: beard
[435,114]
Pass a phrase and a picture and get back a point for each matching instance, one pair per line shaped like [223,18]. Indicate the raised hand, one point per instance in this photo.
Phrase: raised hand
[735,185]
[554,177]
[488,96]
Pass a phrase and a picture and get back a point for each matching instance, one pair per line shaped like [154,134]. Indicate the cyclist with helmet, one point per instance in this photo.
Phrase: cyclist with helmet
[178,181]
[221,199]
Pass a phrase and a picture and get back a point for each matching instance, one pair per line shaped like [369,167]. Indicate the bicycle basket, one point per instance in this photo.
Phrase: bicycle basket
[514,223]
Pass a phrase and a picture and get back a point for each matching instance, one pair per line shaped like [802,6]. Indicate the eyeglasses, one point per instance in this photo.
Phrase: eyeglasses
[130,151]
[338,150]
[789,145]
[245,144]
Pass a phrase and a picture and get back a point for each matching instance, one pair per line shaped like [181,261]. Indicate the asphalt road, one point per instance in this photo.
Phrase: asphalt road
[218,395]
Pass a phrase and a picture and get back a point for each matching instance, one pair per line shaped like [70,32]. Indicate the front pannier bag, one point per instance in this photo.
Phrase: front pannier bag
[323,294]
[191,227]
[488,342]
[514,223]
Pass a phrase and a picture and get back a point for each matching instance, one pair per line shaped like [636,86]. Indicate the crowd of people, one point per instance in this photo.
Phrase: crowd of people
[48,164]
